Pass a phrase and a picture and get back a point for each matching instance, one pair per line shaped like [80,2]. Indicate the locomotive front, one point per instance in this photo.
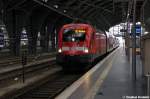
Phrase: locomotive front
[73,45]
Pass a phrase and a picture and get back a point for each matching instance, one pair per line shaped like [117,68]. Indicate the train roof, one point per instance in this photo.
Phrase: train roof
[77,24]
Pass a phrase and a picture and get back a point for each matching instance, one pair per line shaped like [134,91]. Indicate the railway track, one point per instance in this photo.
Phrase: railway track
[48,90]
[17,60]
[34,75]
[18,70]
[54,85]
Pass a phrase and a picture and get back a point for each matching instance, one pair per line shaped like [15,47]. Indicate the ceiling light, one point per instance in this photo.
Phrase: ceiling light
[138,23]
[65,11]
[56,6]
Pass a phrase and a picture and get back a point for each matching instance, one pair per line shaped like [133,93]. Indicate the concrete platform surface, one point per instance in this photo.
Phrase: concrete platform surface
[119,82]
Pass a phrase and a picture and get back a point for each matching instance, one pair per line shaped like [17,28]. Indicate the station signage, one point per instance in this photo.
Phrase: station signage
[138,29]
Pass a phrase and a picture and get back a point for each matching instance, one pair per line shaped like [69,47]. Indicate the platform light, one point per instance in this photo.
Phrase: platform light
[131,24]
[2,28]
[60,50]
[24,43]
[146,32]
[16,78]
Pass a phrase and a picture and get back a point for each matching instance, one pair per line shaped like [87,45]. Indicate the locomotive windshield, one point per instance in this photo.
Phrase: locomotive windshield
[74,35]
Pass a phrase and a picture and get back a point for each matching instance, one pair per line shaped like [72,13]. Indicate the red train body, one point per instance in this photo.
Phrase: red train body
[81,43]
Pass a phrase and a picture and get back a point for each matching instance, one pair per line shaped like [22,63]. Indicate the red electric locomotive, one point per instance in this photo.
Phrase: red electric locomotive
[80,43]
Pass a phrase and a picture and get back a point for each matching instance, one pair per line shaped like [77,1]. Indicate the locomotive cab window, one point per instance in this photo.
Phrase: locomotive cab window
[74,35]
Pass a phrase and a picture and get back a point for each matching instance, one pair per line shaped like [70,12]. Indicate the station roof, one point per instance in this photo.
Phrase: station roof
[101,13]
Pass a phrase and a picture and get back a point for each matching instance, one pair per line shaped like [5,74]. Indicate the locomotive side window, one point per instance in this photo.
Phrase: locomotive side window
[74,35]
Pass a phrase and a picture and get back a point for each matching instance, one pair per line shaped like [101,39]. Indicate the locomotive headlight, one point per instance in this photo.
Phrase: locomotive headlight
[86,50]
[59,50]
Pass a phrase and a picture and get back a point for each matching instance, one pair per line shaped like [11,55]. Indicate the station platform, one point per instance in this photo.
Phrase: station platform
[119,82]
[109,79]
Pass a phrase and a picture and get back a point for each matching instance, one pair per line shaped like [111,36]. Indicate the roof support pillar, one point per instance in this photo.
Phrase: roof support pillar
[14,27]
[134,42]
[32,38]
